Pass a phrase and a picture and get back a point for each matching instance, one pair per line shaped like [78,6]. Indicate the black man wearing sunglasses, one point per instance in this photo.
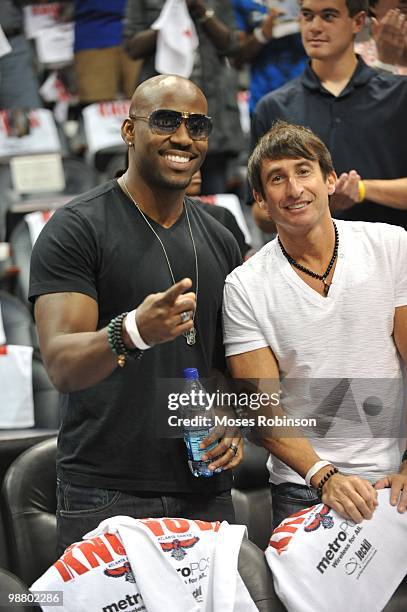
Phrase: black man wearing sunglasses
[127,282]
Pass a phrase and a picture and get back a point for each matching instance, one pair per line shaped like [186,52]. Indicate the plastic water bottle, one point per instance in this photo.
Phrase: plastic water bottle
[198,420]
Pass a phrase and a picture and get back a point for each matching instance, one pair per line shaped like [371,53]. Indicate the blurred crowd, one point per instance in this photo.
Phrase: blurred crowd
[69,54]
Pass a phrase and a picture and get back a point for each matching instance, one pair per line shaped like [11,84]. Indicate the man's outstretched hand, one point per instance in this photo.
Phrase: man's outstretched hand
[159,316]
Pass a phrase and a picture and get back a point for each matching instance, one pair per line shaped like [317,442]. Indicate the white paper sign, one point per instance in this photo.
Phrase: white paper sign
[42,138]
[17,403]
[36,221]
[37,173]
[243,105]
[232,203]
[102,123]
[55,45]
[287,22]
[4,44]
[40,16]
[285,29]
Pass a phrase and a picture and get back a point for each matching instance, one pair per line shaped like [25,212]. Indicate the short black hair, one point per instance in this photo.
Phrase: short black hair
[287,141]
[356,6]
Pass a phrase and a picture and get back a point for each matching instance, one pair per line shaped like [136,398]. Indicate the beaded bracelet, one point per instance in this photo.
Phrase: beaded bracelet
[115,338]
[327,476]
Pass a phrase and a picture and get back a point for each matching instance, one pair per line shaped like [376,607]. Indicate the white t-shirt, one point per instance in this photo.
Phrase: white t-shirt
[320,341]
[322,562]
[171,564]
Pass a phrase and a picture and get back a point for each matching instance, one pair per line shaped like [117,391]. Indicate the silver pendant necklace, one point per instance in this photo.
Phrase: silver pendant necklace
[190,335]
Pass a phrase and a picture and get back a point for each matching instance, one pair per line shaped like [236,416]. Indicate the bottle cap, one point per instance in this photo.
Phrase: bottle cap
[191,373]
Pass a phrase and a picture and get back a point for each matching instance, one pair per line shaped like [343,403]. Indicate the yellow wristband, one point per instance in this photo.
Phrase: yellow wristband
[362,191]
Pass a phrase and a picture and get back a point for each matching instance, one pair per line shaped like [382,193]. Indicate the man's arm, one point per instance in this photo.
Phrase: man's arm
[398,482]
[351,496]
[252,43]
[140,40]
[400,331]
[78,356]
[391,193]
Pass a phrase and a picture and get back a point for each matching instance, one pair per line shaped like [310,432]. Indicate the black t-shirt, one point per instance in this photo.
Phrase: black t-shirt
[224,216]
[100,245]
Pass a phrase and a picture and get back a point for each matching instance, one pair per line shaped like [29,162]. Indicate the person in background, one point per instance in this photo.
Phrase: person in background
[127,281]
[220,213]
[218,39]
[273,61]
[357,111]
[383,41]
[103,70]
[18,77]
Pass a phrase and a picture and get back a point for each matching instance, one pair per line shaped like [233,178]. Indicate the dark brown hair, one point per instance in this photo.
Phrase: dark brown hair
[287,141]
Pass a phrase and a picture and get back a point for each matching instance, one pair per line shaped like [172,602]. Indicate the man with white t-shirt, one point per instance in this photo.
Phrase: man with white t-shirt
[325,303]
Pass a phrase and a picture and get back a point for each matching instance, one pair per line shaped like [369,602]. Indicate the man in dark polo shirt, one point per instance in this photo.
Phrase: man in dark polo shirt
[358,112]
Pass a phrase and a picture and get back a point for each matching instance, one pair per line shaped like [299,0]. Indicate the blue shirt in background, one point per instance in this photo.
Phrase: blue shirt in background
[279,61]
[98,23]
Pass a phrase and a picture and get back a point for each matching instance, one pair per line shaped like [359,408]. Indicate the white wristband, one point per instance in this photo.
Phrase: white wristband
[314,469]
[259,36]
[132,329]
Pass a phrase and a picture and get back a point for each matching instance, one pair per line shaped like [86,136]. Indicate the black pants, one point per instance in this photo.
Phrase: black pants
[81,509]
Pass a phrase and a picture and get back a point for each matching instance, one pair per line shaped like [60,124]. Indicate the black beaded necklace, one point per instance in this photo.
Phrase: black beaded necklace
[320,277]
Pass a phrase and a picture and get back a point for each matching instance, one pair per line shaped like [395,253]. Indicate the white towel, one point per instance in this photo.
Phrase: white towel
[177,39]
[196,563]
[91,575]
[171,565]
[321,561]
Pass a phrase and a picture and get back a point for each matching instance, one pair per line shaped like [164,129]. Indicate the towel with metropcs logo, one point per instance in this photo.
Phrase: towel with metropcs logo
[152,565]
[321,561]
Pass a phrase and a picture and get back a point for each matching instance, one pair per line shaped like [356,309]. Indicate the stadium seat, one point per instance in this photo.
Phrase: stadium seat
[11,585]
[29,502]
[19,329]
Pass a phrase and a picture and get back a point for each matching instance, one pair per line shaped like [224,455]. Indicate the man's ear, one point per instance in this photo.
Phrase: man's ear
[331,182]
[127,132]
[258,198]
[358,21]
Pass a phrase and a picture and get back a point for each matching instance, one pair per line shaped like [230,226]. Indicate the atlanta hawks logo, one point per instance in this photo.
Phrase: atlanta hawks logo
[176,547]
[119,572]
[321,518]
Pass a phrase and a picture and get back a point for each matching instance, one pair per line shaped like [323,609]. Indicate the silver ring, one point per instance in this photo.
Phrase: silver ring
[234,448]
[185,316]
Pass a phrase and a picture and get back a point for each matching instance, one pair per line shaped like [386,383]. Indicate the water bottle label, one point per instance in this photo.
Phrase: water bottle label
[193,440]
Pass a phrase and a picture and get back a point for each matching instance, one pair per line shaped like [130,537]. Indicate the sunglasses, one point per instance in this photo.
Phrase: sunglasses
[165,121]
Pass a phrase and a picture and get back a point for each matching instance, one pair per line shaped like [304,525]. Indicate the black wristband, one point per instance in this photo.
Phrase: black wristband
[327,476]
[115,338]
[404,457]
